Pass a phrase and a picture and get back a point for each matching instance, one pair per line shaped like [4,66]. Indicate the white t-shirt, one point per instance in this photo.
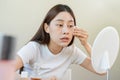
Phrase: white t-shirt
[49,64]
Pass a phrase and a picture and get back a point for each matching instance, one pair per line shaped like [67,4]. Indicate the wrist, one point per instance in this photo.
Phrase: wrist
[87,46]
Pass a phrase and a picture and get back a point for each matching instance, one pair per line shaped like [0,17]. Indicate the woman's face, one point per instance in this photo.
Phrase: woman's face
[61,29]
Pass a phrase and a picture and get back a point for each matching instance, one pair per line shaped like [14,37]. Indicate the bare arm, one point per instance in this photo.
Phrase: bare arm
[82,35]
[88,65]
[18,63]
[87,46]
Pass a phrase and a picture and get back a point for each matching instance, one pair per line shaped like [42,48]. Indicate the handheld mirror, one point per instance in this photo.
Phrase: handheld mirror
[105,49]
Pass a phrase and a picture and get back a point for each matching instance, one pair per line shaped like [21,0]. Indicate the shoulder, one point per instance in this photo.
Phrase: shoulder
[34,44]
[30,47]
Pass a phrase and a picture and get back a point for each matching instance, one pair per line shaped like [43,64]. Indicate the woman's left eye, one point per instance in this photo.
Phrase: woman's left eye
[70,26]
[60,25]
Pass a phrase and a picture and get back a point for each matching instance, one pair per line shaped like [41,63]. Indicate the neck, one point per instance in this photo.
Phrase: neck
[55,49]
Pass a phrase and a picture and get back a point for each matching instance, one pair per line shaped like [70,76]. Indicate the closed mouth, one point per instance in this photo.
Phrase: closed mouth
[64,39]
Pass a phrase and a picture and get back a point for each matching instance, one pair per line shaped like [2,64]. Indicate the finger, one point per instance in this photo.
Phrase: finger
[79,34]
[78,30]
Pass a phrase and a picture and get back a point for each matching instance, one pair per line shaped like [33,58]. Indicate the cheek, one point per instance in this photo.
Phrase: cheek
[55,31]
[54,34]
[52,28]
[71,32]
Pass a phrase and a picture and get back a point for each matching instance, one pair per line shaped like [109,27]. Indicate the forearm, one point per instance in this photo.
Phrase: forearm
[87,64]
[87,47]
[18,63]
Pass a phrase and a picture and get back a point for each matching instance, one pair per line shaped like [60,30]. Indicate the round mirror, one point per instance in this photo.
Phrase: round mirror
[105,49]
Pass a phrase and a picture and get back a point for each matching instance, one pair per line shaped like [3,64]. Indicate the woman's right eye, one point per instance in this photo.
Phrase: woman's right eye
[60,25]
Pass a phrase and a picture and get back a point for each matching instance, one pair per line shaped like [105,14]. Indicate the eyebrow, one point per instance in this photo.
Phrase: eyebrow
[63,20]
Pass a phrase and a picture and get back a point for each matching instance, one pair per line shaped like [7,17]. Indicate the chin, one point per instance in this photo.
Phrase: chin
[64,45]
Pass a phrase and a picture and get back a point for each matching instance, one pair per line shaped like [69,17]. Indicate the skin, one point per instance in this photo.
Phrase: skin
[62,26]
[61,30]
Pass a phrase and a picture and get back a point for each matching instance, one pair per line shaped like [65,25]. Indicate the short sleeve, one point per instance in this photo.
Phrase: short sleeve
[27,53]
[78,56]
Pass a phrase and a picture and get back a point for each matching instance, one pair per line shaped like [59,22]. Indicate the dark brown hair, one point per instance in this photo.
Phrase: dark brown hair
[41,36]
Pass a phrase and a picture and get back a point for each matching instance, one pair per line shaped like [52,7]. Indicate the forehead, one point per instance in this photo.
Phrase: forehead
[64,16]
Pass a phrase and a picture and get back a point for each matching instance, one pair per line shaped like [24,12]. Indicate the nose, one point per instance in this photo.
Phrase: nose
[65,30]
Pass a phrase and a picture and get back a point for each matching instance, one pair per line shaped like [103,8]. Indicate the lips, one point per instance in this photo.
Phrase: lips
[64,39]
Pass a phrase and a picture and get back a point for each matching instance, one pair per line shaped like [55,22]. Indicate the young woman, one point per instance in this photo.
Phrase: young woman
[52,50]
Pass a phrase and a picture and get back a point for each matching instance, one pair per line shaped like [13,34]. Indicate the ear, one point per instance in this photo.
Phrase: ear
[46,27]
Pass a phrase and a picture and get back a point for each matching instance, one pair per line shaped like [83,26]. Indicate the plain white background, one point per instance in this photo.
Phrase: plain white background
[22,18]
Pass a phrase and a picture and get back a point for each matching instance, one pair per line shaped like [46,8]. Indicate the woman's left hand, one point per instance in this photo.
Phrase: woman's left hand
[81,34]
